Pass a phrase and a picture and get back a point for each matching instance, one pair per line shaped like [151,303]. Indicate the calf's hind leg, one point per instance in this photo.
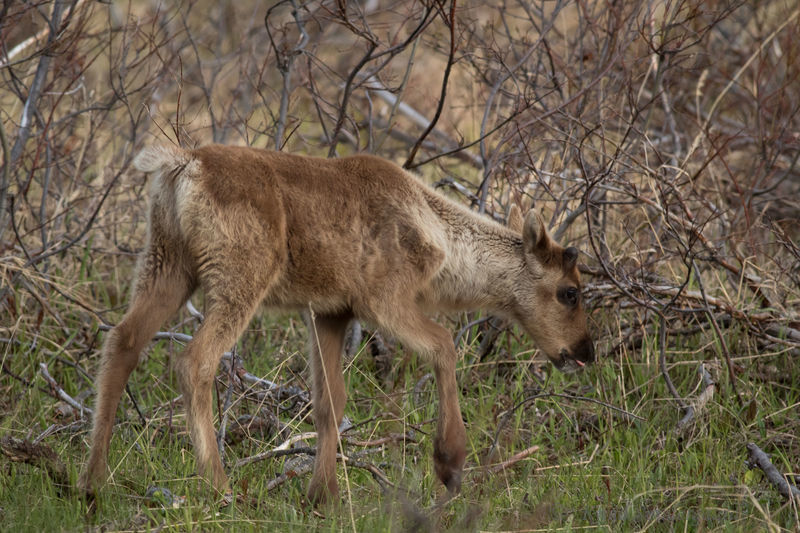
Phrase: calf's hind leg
[161,288]
[326,336]
[231,305]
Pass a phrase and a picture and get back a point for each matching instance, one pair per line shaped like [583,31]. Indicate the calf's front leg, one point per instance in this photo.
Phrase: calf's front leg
[434,343]
[449,446]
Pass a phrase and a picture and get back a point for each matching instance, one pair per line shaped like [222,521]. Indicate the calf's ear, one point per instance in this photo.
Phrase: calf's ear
[570,258]
[515,220]
[534,235]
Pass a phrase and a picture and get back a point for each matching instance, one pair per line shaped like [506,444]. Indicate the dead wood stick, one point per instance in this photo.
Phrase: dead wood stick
[57,392]
[448,181]
[391,437]
[417,394]
[294,472]
[514,459]
[784,331]
[269,426]
[38,455]
[280,390]
[350,461]
[377,473]
[284,448]
[7,370]
[696,296]
[56,428]
[192,310]
[355,335]
[700,403]
[276,452]
[757,458]
[468,326]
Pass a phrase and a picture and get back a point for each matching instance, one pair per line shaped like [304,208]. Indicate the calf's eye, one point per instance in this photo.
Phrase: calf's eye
[569,296]
[572,295]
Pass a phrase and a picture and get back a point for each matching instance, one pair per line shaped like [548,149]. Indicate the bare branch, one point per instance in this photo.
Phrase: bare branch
[57,392]
[757,458]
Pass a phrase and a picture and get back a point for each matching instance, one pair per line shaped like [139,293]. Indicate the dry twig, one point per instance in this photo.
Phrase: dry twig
[511,461]
[57,392]
[700,403]
[757,458]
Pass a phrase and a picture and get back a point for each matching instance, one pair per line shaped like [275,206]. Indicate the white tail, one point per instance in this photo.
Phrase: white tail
[158,157]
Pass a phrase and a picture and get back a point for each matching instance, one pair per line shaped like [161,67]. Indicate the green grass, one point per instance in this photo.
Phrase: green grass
[594,469]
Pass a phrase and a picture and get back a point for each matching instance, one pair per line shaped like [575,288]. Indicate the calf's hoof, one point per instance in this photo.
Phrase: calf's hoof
[90,481]
[214,474]
[449,466]
[321,493]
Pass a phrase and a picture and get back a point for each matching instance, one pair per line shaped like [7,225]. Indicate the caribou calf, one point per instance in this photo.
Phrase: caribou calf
[338,239]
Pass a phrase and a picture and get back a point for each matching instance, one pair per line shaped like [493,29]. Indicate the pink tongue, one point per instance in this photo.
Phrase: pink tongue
[579,363]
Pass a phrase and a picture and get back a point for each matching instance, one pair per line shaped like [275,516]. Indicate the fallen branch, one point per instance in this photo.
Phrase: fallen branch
[391,437]
[38,455]
[514,459]
[57,392]
[192,310]
[307,466]
[275,452]
[52,429]
[282,449]
[417,394]
[285,447]
[279,391]
[757,458]
[185,338]
[702,400]
[377,473]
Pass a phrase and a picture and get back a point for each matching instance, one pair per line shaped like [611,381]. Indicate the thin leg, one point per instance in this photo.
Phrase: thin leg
[329,396]
[449,447]
[196,368]
[433,341]
[159,292]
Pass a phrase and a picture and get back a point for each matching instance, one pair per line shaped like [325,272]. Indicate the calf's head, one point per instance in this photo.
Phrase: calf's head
[548,301]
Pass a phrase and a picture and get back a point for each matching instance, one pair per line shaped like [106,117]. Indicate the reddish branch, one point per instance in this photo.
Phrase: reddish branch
[514,459]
